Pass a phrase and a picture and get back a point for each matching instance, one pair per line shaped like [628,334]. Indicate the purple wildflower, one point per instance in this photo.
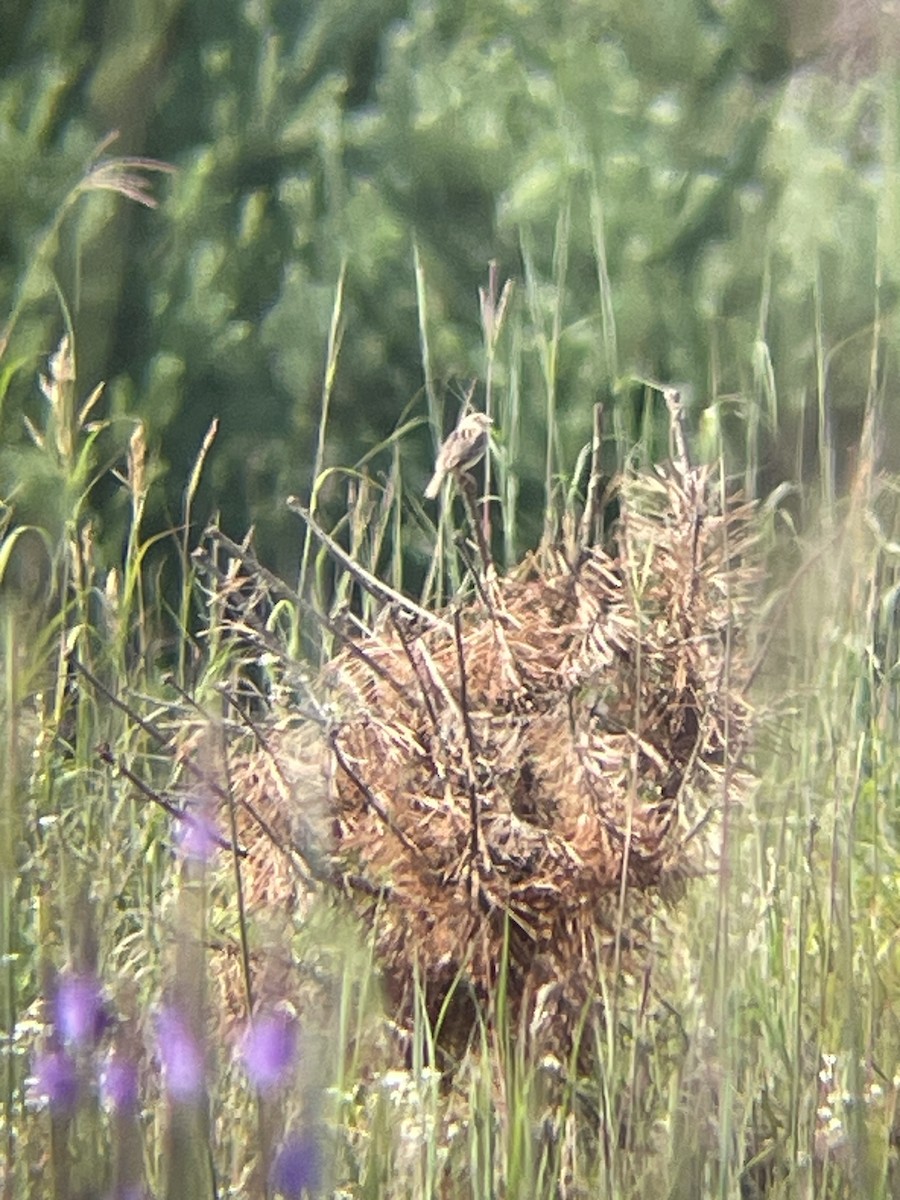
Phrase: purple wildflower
[180,1054]
[196,835]
[79,1012]
[269,1050]
[119,1084]
[56,1078]
[297,1166]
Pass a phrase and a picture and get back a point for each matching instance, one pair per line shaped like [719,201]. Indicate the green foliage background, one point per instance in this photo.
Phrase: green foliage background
[664,180]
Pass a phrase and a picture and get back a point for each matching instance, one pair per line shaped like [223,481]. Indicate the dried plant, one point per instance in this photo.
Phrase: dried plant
[518,783]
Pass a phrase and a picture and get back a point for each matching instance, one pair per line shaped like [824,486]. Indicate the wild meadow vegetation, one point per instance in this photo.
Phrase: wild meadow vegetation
[751,1047]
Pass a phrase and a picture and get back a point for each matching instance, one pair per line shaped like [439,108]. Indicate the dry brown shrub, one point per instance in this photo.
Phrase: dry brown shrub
[517,783]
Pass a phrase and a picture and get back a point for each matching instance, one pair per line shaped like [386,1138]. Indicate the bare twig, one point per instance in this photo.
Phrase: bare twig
[372,584]
[369,796]
[416,669]
[279,587]
[180,814]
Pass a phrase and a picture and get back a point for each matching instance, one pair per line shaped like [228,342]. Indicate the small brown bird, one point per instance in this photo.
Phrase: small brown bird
[464,447]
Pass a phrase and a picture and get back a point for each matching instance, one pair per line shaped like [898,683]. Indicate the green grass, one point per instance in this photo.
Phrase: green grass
[757,1055]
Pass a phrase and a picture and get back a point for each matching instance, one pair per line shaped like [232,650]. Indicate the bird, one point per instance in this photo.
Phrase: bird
[464,447]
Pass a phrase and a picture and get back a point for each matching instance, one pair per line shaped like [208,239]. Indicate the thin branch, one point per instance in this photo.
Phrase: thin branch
[370,798]
[368,581]
[279,587]
[180,814]
[416,669]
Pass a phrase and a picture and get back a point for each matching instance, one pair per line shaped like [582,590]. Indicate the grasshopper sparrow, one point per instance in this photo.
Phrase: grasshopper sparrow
[462,450]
